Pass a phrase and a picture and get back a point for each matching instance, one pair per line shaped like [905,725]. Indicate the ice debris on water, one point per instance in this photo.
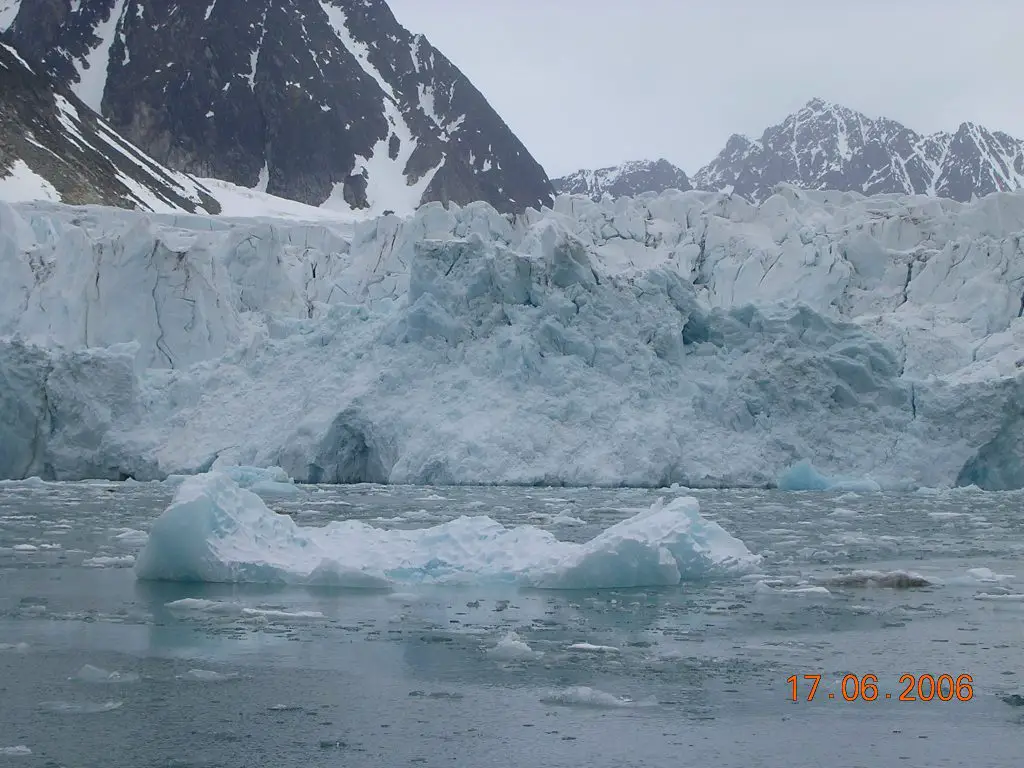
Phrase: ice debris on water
[1010,597]
[108,561]
[802,476]
[768,588]
[19,751]
[591,648]
[208,676]
[79,707]
[885,579]
[215,531]
[91,674]
[199,606]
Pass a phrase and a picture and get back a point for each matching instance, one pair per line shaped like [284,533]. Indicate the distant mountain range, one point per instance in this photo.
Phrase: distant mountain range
[327,102]
[827,146]
[626,180]
[332,103]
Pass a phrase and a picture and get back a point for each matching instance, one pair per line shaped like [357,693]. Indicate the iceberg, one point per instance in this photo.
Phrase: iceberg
[688,338]
[215,531]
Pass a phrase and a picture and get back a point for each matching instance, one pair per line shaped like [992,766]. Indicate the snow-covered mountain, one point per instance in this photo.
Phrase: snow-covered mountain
[53,147]
[690,337]
[626,180]
[327,102]
[827,146]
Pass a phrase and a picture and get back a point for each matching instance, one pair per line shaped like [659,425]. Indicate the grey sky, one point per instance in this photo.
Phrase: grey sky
[586,83]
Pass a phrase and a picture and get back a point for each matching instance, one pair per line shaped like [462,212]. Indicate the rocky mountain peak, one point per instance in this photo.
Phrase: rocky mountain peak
[629,179]
[328,102]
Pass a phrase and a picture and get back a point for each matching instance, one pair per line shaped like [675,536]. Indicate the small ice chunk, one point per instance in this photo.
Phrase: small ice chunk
[591,648]
[805,589]
[25,548]
[107,561]
[199,605]
[79,707]
[131,537]
[512,647]
[19,751]
[1009,597]
[843,512]
[988,576]
[584,696]
[283,616]
[208,676]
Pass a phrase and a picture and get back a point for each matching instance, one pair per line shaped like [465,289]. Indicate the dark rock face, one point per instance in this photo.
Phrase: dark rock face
[626,180]
[315,99]
[45,128]
[827,146]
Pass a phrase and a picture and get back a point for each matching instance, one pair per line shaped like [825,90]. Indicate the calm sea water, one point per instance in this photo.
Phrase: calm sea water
[97,670]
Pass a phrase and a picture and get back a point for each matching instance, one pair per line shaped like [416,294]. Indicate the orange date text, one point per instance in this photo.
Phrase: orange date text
[865,688]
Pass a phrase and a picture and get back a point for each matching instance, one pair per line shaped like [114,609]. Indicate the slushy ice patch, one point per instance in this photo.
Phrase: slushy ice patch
[215,531]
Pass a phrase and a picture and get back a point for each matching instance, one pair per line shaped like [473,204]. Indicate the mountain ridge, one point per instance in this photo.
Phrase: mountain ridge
[327,102]
[53,147]
[625,180]
[824,145]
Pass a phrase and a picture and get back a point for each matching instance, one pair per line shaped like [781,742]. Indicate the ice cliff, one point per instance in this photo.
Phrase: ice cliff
[686,337]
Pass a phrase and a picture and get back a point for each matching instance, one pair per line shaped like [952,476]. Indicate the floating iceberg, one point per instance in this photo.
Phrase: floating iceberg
[215,531]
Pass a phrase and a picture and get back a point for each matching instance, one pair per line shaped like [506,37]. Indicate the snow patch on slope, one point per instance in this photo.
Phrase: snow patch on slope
[92,70]
[243,202]
[22,183]
[17,56]
[361,51]
[388,187]
[8,12]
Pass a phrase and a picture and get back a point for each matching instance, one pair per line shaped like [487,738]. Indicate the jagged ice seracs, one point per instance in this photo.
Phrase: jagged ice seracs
[688,338]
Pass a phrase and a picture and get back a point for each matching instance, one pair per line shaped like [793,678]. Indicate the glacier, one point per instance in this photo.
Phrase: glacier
[686,337]
[216,531]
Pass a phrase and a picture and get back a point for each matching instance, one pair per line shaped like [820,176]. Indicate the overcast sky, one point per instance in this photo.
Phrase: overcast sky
[586,83]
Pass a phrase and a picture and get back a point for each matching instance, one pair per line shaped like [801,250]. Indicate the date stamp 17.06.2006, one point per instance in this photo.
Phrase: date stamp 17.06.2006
[865,688]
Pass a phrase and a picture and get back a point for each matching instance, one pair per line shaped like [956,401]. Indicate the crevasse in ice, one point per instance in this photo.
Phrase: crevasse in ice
[683,337]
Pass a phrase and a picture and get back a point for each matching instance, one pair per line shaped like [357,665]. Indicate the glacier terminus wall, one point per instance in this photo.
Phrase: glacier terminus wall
[683,337]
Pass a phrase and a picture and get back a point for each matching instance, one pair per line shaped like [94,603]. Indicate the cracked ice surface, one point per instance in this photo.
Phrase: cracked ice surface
[687,337]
